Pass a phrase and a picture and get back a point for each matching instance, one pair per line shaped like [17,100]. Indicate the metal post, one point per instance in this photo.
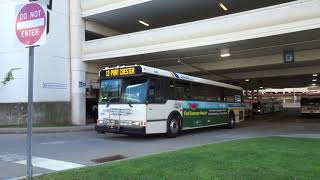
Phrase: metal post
[30,113]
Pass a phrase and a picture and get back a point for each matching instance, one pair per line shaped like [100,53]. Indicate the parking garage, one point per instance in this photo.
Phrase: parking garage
[269,48]
[239,44]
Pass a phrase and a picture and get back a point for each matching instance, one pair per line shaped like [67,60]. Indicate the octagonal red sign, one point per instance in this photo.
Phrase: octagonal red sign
[31,24]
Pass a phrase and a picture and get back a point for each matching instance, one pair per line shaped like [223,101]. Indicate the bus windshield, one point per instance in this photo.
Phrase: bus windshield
[126,90]
[110,90]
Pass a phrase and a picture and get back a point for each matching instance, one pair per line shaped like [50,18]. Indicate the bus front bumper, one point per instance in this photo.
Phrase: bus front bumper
[121,130]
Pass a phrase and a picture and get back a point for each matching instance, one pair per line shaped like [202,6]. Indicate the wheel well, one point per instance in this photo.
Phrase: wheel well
[231,112]
[175,113]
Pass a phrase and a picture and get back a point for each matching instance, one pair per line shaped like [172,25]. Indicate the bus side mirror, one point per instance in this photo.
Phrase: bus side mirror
[151,92]
[150,95]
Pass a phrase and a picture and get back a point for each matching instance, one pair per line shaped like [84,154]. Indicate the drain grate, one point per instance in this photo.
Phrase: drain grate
[108,158]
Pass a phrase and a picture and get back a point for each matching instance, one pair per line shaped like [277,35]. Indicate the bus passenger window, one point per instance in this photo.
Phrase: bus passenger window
[171,89]
[158,90]
[215,94]
[199,92]
[229,99]
[182,90]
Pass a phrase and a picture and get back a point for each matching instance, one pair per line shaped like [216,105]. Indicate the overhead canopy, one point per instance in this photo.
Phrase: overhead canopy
[161,13]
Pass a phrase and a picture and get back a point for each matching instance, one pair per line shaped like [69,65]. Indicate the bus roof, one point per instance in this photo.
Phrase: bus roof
[165,73]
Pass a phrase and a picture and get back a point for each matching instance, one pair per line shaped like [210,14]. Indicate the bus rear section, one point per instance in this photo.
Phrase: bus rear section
[310,105]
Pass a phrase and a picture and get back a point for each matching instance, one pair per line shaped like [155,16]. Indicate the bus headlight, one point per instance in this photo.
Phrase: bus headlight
[138,123]
[100,121]
[135,123]
[103,121]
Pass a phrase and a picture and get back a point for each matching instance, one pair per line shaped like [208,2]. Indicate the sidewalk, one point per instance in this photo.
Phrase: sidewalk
[89,127]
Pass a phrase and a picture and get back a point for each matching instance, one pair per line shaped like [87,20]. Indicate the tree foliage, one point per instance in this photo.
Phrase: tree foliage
[9,76]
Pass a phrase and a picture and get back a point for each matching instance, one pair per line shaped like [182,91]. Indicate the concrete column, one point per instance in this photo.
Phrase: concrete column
[78,68]
[252,94]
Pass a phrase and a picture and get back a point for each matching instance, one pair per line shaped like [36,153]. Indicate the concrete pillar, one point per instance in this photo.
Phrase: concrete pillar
[252,94]
[78,68]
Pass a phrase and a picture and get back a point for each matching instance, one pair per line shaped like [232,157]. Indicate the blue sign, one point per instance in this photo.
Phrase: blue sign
[82,84]
[55,86]
[288,56]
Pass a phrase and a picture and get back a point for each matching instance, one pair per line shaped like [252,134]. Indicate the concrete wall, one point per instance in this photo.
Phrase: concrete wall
[45,113]
[52,68]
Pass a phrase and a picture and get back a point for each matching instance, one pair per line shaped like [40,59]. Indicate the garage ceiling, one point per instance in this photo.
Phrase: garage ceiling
[161,13]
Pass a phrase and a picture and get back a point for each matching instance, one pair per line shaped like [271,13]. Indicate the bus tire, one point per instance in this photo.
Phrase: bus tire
[173,126]
[232,121]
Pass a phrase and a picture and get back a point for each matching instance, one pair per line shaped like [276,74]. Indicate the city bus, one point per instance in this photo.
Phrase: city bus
[139,99]
[310,105]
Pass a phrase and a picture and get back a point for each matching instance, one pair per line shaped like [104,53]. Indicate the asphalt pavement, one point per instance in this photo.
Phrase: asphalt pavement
[58,151]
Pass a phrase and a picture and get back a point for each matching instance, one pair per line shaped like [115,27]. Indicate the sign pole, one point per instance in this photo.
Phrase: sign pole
[30,32]
[30,113]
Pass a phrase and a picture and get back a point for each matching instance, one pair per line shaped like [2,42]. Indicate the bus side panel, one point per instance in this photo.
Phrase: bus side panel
[157,115]
[200,114]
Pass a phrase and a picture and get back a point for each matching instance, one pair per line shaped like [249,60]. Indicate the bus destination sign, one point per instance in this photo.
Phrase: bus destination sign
[120,72]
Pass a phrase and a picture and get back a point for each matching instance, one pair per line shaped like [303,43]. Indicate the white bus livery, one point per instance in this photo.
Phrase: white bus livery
[144,100]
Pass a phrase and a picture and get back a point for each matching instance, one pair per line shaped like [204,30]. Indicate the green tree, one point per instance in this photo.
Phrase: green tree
[9,76]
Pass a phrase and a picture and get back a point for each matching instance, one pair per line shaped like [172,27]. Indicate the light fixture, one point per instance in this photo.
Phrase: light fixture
[223,6]
[315,75]
[261,87]
[314,84]
[247,80]
[225,52]
[144,23]
[314,80]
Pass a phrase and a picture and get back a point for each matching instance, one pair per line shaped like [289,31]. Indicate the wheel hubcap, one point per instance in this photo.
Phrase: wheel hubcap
[174,126]
[232,121]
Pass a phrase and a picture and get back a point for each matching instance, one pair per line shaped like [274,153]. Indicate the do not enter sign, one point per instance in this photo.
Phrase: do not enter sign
[31,24]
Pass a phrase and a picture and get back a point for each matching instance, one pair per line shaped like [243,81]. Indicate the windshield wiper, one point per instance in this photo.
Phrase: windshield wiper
[108,103]
[123,101]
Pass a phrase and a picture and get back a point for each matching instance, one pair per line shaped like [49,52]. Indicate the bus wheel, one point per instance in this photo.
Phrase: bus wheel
[173,126]
[232,121]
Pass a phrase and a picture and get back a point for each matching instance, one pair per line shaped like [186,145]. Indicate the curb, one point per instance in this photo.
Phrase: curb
[46,130]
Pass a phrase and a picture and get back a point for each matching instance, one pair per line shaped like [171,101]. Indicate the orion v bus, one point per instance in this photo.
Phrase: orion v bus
[144,100]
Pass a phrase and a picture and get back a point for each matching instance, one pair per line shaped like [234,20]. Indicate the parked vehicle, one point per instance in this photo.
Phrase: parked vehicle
[267,106]
[277,106]
[248,108]
[310,105]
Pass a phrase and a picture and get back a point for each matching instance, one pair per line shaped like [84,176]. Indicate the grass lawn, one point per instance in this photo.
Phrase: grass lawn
[256,159]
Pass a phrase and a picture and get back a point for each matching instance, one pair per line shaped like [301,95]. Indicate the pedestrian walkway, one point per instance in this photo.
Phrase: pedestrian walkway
[89,127]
